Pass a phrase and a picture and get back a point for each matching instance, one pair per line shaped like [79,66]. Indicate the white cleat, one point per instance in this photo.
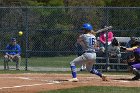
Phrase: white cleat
[73,80]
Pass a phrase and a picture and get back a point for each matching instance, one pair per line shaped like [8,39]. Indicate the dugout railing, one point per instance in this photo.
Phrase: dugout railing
[114,63]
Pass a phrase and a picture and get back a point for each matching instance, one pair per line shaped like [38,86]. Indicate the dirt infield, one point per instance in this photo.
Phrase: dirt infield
[33,83]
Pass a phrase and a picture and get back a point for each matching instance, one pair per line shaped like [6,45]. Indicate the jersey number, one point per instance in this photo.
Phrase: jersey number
[92,41]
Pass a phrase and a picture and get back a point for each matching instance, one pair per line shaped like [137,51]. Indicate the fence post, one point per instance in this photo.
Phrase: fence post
[26,36]
[106,51]
[106,46]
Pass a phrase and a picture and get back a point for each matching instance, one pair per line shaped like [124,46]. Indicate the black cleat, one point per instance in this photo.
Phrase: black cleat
[136,78]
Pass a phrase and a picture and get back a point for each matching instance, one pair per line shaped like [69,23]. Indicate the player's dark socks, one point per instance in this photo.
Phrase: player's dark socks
[73,71]
[96,72]
[137,73]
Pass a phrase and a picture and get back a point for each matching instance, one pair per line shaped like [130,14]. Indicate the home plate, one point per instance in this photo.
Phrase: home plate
[121,81]
[124,81]
[25,78]
[56,82]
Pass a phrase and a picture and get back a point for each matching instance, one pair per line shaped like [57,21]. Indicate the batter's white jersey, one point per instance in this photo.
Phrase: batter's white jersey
[89,41]
[89,54]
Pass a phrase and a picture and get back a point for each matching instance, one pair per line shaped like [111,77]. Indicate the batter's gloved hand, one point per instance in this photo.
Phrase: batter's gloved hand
[122,47]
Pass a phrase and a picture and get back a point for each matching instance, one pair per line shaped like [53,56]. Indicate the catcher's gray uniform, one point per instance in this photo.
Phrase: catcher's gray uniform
[88,42]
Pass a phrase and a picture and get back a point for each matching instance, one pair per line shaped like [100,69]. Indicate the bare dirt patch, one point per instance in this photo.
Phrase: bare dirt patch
[33,83]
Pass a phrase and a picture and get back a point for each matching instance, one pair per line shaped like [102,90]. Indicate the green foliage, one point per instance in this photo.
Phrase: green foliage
[122,3]
[33,3]
[22,3]
[59,44]
[130,3]
[55,3]
[86,2]
[123,17]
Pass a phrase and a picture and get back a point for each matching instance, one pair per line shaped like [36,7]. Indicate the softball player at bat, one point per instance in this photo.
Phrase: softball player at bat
[88,42]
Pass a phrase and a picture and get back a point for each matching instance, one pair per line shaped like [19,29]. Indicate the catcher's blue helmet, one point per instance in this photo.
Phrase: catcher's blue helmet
[87,26]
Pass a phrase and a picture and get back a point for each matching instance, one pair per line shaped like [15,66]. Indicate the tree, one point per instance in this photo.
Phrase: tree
[86,2]
[126,3]
[31,2]
[118,3]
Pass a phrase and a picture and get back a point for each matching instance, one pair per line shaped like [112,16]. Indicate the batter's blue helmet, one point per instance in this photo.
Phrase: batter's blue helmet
[87,26]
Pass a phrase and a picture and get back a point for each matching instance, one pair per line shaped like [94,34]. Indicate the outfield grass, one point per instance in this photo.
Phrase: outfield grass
[61,61]
[51,61]
[97,89]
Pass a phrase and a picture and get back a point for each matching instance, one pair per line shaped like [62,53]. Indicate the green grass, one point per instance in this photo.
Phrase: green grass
[51,61]
[97,89]
[28,71]
[15,71]
[62,61]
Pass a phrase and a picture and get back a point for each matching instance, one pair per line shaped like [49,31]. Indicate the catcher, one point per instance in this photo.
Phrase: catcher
[134,62]
[13,52]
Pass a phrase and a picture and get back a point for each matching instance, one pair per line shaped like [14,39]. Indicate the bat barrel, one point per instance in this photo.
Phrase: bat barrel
[104,29]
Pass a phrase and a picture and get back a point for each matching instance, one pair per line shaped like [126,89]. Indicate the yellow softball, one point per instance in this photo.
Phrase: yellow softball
[20,33]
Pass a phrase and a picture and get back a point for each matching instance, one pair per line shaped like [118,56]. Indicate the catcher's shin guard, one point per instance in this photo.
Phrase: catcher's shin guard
[136,78]
[137,73]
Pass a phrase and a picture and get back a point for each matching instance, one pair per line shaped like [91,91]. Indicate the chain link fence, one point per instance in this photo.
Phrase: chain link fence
[49,34]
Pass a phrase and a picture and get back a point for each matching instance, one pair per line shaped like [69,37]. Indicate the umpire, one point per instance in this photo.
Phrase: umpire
[12,53]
